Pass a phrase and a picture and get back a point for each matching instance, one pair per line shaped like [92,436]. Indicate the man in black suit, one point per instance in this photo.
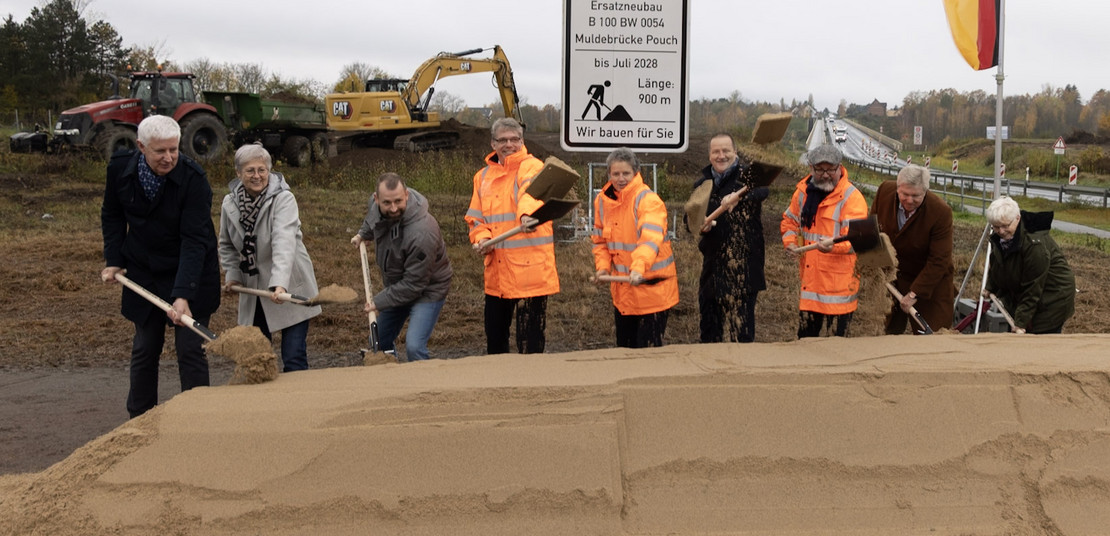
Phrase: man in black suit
[157,226]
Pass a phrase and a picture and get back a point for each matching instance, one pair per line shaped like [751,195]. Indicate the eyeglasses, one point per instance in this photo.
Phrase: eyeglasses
[825,171]
[256,171]
[503,141]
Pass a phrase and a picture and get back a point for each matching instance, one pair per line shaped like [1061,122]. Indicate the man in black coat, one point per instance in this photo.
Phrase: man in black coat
[157,226]
[732,250]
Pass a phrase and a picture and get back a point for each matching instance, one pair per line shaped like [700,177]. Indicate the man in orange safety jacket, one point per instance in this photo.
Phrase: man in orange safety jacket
[822,204]
[521,268]
[630,239]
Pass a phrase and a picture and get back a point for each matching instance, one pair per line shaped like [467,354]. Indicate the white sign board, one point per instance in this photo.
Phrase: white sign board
[1005,133]
[1059,146]
[917,130]
[625,66]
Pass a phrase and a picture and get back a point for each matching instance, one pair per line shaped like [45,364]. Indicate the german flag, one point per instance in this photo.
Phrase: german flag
[974,25]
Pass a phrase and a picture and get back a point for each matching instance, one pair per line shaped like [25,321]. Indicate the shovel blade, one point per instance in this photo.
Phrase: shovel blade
[863,233]
[553,209]
[553,181]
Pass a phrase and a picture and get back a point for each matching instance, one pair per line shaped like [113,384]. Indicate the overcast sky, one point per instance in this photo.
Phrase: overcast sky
[857,50]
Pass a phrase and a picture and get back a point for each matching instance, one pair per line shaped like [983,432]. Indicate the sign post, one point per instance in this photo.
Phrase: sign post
[625,69]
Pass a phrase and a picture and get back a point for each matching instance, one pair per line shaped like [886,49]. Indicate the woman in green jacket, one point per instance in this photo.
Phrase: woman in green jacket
[1028,271]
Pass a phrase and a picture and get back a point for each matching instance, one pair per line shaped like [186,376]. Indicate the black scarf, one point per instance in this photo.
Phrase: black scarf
[248,216]
[814,197]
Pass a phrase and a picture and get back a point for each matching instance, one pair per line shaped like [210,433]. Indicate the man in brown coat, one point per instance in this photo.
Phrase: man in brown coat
[919,224]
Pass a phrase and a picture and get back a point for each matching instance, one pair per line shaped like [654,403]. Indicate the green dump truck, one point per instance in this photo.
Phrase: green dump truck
[291,129]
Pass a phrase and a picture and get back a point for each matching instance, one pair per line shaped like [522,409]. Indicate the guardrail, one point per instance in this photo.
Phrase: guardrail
[981,189]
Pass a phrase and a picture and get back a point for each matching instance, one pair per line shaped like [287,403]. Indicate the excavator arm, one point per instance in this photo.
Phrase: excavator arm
[447,64]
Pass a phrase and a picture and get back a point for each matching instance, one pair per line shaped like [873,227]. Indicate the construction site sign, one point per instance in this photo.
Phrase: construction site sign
[625,66]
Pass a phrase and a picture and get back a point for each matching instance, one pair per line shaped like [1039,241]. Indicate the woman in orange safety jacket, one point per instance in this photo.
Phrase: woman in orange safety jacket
[822,204]
[522,267]
[630,239]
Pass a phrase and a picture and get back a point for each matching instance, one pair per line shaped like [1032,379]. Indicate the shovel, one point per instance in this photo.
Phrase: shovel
[291,298]
[886,257]
[373,316]
[161,304]
[628,279]
[552,209]
[862,233]
[1005,313]
[925,329]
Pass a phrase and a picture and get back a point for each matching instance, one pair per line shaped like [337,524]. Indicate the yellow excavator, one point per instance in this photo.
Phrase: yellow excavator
[394,112]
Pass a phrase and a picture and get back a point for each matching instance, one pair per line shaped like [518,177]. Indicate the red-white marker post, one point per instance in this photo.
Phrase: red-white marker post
[1073,175]
[955,166]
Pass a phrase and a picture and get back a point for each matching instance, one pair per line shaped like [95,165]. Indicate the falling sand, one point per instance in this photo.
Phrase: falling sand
[254,359]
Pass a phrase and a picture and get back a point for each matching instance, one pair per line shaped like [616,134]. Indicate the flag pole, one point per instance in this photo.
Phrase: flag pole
[999,77]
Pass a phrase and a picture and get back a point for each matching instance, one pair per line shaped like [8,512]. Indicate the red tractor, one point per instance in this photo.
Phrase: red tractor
[109,126]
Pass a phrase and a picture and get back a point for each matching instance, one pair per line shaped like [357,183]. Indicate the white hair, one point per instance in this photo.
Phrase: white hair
[914,175]
[1003,210]
[158,127]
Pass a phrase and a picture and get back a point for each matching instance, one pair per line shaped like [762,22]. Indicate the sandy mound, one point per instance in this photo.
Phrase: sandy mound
[988,434]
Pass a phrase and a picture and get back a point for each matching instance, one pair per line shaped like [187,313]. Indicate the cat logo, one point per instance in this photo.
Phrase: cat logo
[387,106]
[341,109]
[464,66]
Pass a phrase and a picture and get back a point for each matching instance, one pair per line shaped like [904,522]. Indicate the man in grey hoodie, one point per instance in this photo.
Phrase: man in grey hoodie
[413,259]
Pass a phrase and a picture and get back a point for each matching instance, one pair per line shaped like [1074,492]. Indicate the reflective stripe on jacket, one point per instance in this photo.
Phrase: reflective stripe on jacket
[630,235]
[522,266]
[829,283]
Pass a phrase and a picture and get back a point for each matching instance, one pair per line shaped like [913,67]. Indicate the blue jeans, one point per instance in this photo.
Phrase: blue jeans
[294,341]
[422,318]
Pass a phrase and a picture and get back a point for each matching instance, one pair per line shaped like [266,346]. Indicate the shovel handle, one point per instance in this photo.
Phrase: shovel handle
[371,316]
[712,217]
[1002,309]
[913,311]
[815,245]
[292,298]
[505,236]
[161,304]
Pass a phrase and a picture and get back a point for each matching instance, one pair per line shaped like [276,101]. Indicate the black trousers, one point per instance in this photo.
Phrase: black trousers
[146,349]
[640,331]
[811,324]
[531,321]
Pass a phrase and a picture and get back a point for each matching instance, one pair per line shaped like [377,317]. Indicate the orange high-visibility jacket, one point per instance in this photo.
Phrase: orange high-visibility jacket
[630,235]
[829,281]
[522,266]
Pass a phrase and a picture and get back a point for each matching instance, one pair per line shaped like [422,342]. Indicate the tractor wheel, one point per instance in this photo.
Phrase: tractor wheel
[319,147]
[297,151]
[114,139]
[203,138]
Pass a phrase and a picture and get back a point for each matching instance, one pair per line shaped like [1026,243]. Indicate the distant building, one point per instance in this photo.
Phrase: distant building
[876,108]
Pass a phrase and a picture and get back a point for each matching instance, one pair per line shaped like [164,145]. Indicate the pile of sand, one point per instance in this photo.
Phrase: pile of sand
[255,361]
[953,434]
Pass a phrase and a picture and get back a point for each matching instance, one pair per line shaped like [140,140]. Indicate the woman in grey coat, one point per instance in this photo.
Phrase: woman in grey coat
[261,247]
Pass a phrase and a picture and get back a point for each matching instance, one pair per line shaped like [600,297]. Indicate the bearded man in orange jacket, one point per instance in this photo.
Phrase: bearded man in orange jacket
[630,238]
[822,204]
[520,271]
